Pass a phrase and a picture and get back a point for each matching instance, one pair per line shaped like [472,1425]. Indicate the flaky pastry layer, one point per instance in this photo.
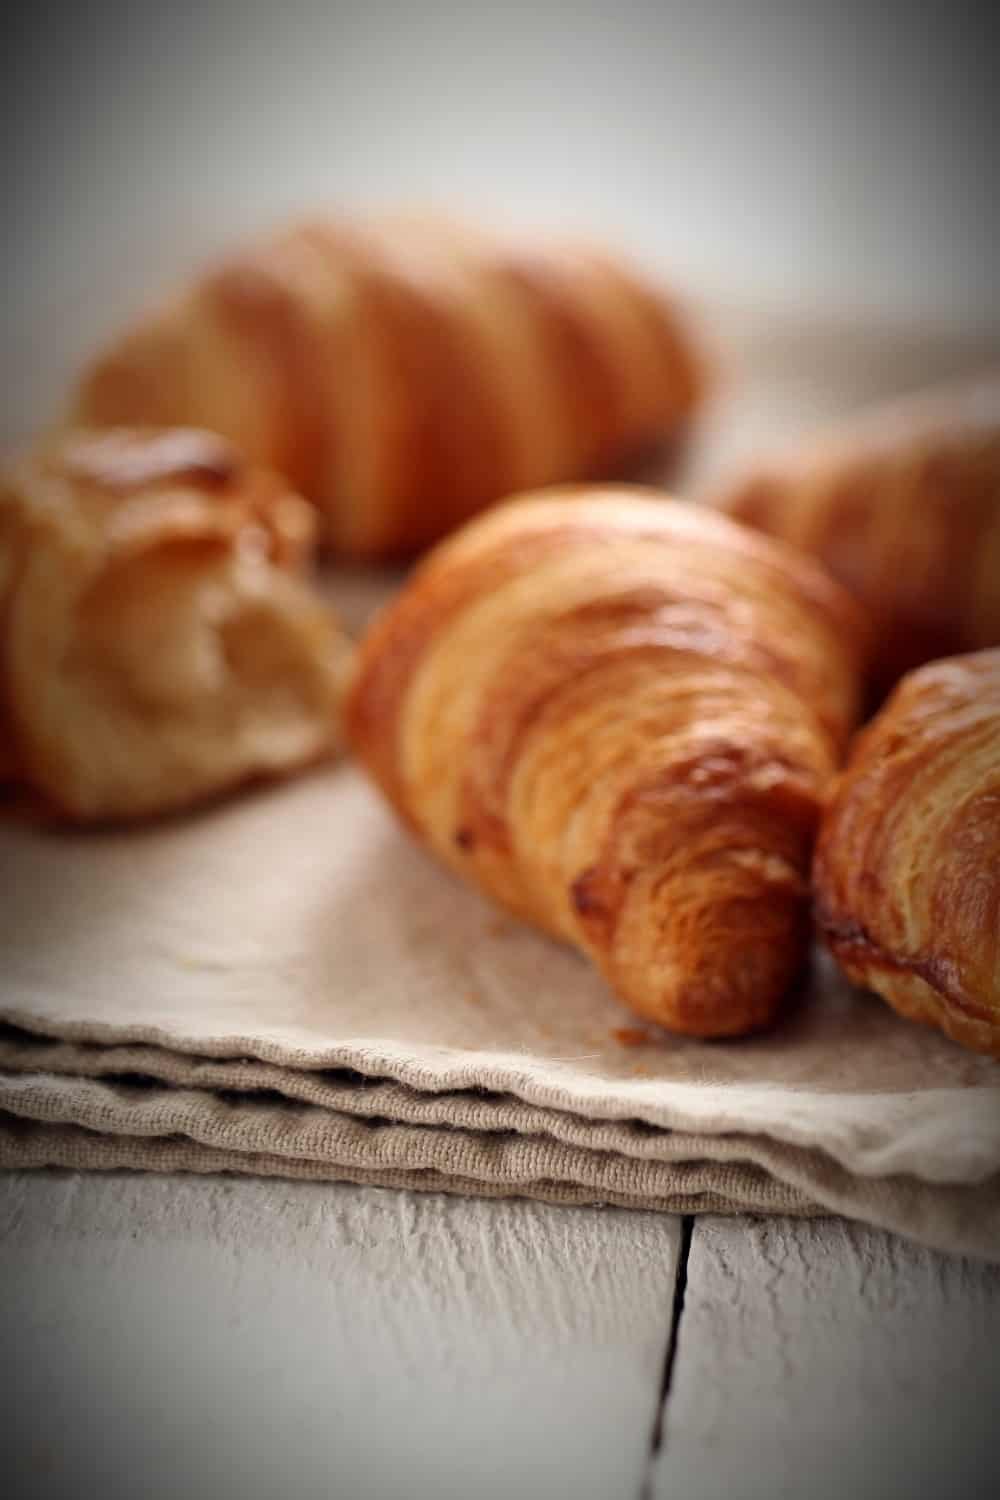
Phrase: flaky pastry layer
[405,372]
[158,644]
[908,861]
[902,505]
[618,715]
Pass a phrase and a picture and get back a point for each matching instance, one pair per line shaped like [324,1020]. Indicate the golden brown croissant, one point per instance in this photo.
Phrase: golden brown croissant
[903,507]
[907,867]
[405,373]
[156,643]
[617,714]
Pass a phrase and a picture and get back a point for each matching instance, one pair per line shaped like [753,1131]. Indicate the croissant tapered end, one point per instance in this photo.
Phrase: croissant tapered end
[902,505]
[159,645]
[714,954]
[406,372]
[618,715]
[907,868]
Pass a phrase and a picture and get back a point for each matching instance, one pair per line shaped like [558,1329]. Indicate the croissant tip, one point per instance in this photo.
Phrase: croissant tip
[722,991]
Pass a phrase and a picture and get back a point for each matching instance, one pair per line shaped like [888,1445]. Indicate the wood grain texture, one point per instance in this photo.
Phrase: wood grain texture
[208,1338]
[818,1359]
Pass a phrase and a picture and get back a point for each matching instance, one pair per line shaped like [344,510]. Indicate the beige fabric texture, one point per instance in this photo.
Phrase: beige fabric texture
[287,985]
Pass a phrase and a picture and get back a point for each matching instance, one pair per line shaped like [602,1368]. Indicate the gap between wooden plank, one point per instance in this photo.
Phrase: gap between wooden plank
[208,1336]
[825,1358]
[670,1357]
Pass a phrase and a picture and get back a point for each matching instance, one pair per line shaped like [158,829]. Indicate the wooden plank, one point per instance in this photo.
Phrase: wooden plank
[209,1337]
[821,1359]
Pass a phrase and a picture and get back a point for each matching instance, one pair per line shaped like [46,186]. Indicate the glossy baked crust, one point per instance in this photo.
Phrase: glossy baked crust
[618,714]
[404,372]
[907,868]
[902,505]
[157,642]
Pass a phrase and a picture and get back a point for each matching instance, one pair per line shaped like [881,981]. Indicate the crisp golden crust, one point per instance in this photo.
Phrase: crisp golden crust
[157,645]
[907,870]
[903,506]
[406,373]
[618,714]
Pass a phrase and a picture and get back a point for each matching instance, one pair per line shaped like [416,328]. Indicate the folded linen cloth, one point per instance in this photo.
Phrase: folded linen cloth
[286,985]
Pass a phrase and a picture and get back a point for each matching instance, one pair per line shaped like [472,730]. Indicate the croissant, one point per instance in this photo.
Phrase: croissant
[404,373]
[902,505]
[157,642]
[618,714]
[908,861]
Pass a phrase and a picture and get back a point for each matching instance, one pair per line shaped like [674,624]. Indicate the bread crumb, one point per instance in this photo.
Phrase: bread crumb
[631,1036]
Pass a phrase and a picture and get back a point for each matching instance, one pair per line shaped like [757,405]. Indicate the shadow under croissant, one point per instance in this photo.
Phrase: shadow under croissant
[664,462]
[24,805]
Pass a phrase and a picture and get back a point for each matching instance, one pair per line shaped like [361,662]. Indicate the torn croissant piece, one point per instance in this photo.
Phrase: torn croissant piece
[907,870]
[405,372]
[618,714]
[902,505]
[157,642]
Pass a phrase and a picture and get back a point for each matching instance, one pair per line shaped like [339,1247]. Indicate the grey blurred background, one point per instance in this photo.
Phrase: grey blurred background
[818,160]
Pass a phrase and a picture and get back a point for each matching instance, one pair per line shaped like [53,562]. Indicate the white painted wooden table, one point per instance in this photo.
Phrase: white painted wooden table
[198,1338]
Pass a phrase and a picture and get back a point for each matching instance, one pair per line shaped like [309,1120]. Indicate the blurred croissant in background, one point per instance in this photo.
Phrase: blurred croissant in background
[908,862]
[902,505]
[159,643]
[618,714]
[405,372]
